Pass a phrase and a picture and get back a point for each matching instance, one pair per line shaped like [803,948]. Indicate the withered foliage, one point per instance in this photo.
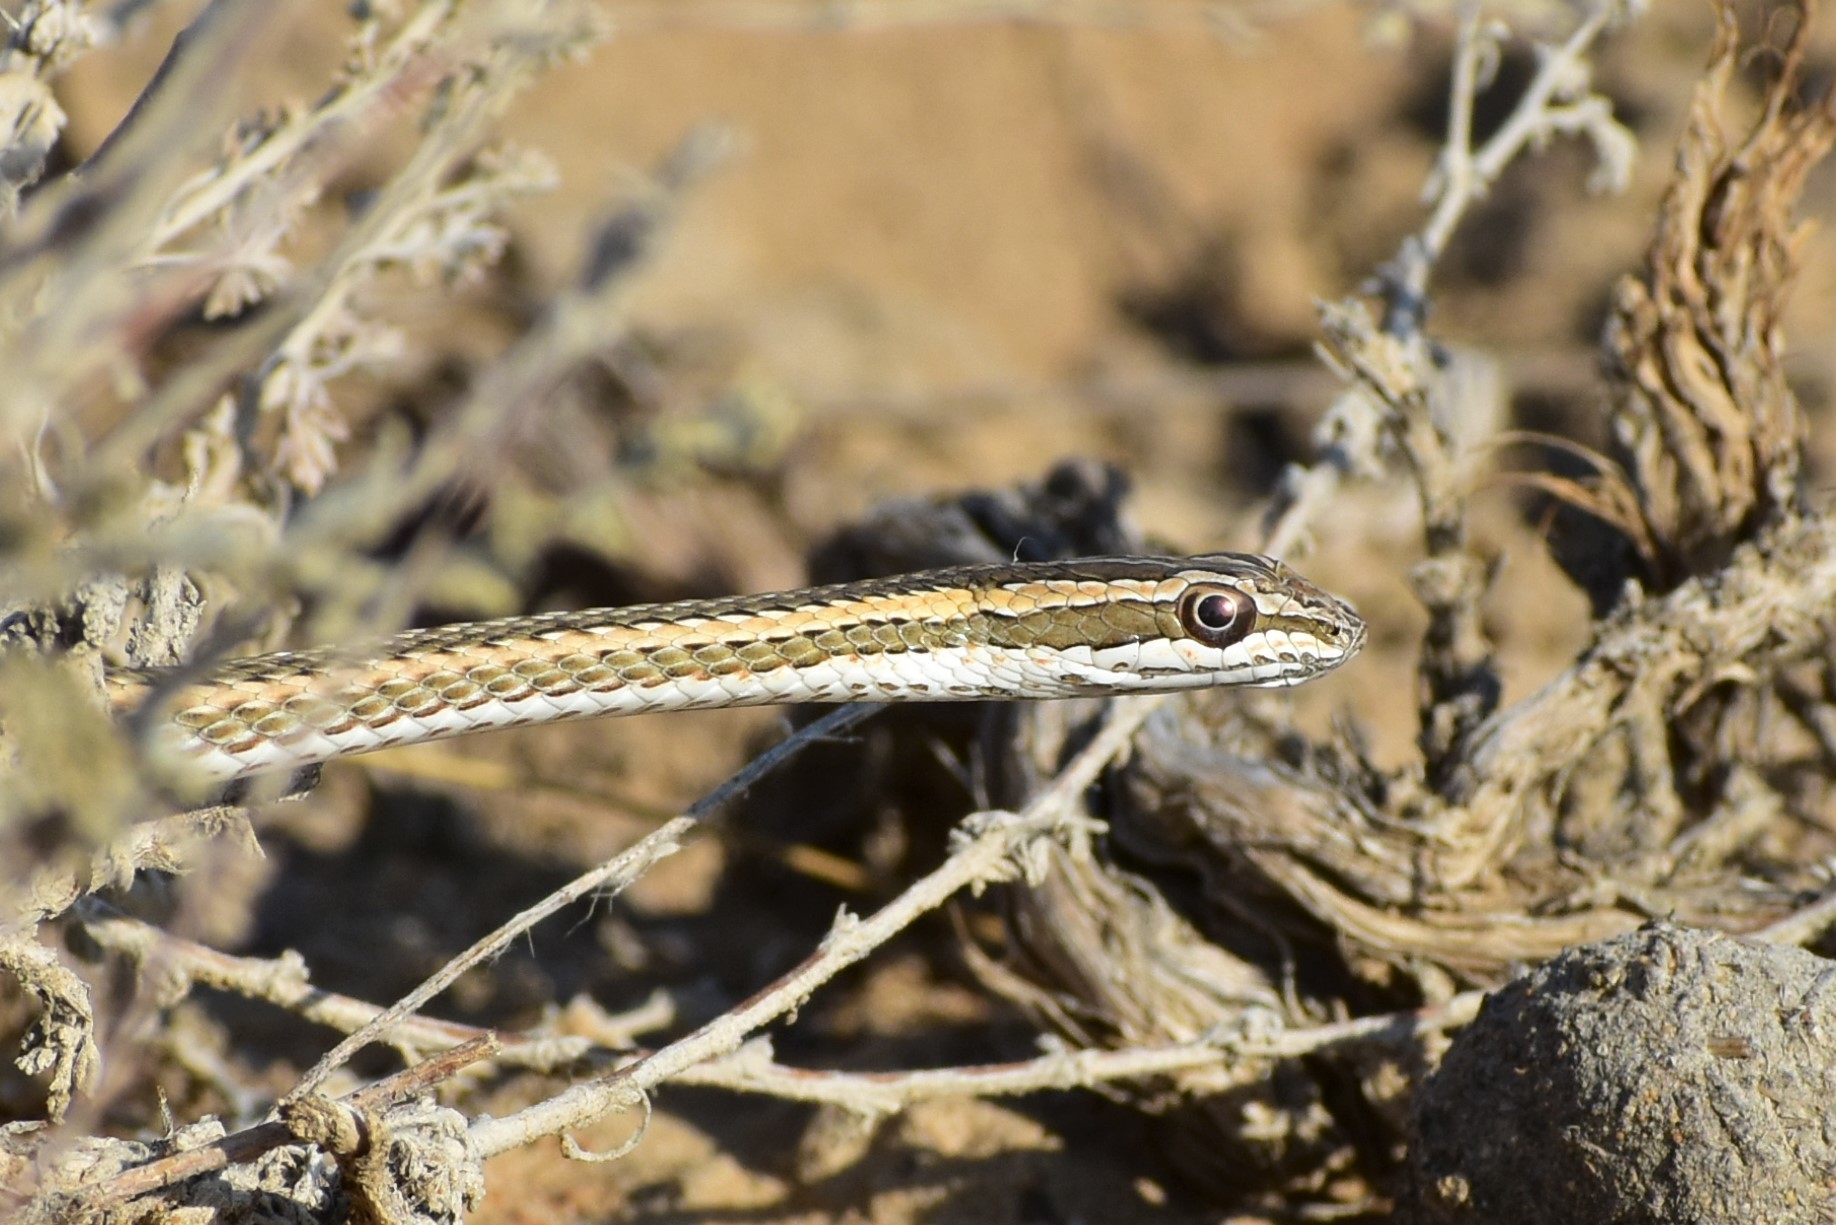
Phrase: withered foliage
[1679,768]
[1710,434]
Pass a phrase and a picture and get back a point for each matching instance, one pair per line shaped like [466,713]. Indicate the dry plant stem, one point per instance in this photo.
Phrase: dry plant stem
[1349,437]
[1459,684]
[145,846]
[130,123]
[750,1069]
[1349,443]
[489,50]
[117,455]
[609,878]
[1712,433]
[580,322]
[406,223]
[178,965]
[1712,436]
[1463,176]
[253,1142]
[989,855]
[1768,608]
[1459,687]
[348,110]
[77,235]
[61,1042]
[389,1022]
[1395,365]
[433,39]
[183,108]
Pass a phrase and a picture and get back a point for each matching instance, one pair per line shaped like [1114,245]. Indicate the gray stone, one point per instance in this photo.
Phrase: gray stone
[1667,1076]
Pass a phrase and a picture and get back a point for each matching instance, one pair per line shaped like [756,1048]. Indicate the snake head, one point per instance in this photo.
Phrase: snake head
[1245,619]
[1133,624]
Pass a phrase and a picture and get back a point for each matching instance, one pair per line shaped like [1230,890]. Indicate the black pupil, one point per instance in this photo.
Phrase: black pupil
[1218,618]
[1216,612]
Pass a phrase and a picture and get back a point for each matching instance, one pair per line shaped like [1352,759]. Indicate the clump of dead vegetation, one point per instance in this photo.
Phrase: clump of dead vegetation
[175,489]
[1679,769]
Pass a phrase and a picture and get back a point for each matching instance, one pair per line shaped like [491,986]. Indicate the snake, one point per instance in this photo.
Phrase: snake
[1084,628]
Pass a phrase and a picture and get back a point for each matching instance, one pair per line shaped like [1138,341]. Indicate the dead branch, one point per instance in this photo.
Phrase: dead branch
[1711,431]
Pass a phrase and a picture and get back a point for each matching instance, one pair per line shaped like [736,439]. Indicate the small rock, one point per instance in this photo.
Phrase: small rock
[1667,1076]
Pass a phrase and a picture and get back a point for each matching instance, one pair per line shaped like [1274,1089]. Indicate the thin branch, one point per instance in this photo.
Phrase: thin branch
[994,851]
[1464,177]
[253,1142]
[284,982]
[610,878]
[752,1070]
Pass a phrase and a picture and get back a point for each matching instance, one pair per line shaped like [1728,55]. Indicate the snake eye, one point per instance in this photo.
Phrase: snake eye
[1217,617]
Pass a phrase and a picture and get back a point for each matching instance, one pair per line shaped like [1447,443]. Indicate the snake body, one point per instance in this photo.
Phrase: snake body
[1045,630]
